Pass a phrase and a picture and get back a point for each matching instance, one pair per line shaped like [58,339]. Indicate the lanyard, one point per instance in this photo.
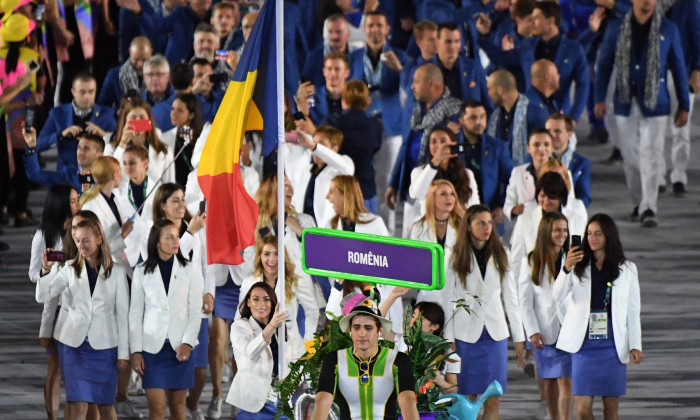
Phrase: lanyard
[131,197]
[607,295]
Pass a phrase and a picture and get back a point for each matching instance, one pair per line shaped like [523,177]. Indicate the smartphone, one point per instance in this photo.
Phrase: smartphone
[291,137]
[457,148]
[86,179]
[39,13]
[383,56]
[298,116]
[33,66]
[202,206]
[575,241]
[141,126]
[29,120]
[218,78]
[221,54]
[56,256]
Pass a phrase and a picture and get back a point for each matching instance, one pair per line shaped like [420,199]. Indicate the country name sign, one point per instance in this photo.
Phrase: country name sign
[373,258]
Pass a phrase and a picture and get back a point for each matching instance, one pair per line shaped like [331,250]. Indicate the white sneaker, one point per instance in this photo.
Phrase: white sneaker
[214,410]
[196,414]
[127,408]
[542,411]
[226,374]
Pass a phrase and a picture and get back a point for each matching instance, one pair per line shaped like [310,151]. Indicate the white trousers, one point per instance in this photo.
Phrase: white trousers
[680,139]
[641,142]
[610,120]
[383,166]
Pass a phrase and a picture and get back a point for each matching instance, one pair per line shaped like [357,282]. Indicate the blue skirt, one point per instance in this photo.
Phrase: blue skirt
[164,371]
[596,369]
[482,363]
[90,375]
[552,363]
[226,300]
[200,353]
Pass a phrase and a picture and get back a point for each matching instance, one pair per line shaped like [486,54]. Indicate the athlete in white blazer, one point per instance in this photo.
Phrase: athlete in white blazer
[521,188]
[573,293]
[160,169]
[299,162]
[110,226]
[103,317]
[49,313]
[422,232]
[155,315]
[537,305]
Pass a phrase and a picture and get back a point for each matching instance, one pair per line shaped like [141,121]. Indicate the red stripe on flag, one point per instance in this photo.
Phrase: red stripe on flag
[231,217]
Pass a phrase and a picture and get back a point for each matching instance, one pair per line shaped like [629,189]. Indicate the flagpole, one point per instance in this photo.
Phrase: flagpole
[279,42]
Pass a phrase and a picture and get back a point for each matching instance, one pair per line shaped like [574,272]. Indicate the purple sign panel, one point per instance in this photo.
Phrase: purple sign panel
[400,263]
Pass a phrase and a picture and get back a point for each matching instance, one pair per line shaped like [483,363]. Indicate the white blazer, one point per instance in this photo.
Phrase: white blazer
[255,363]
[521,188]
[537,304]
[422,232]
[49,313]
[155,315]
[112,230]
[304,295]
[522,241]
[374,226]
[137,241]
[574,293]
[489,313]
[198,145]
[103,318]
[298,168]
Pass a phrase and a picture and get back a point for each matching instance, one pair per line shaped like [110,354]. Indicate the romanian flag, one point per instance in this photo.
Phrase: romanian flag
[251,103]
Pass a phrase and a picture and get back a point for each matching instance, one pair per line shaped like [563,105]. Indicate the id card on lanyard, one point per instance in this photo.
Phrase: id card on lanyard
[598,321]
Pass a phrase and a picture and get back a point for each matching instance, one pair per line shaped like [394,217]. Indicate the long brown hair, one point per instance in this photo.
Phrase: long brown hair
[103,254]
[290,279]
[353,202]
[68,243]
[614,255]
[162,194]
[429,218]
[151,137]
[543,255]
[463,250]
[456,173]
[266,199]
[103,170]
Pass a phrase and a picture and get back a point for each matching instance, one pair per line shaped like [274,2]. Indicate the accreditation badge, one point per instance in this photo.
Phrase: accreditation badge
[598,326]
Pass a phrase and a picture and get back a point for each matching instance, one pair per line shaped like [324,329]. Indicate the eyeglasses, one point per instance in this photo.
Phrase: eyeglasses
[158,74]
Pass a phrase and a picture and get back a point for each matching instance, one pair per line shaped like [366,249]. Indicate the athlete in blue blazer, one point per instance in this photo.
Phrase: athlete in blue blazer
[61,118]
[472,82]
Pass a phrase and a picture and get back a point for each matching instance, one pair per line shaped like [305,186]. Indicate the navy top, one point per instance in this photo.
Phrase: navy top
[311,189]
[166,269]
[452,79]
[92,276]
[113,206]
[599,280]
[480,255]
[472,160]
[547,49]
[138,193]
[348,226]
[274,348]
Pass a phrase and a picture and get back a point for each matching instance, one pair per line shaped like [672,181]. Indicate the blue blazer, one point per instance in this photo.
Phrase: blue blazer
[67,174]
[111,93]
[580,168]
[180,47]
[313,68]
[390,101]
[129,28]
[320,111]
[155,26]
[401,173]
[537,101]
[572,65]
[61,118]
[686,15]
[670,56]
[491,44]
[496,167]
[407,73]
[473,82]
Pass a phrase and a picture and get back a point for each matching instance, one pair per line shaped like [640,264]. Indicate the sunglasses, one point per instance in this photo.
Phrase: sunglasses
[364,378]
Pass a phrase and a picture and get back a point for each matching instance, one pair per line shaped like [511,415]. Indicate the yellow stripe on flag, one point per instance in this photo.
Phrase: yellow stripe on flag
[237,114]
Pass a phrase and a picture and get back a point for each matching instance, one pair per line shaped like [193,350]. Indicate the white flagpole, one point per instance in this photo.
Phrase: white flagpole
[279,42]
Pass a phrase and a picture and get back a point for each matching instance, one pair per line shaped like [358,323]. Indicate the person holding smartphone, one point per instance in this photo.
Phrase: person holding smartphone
[539,311]
[60,205]
[444,163]
[137,127]
[597,290]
